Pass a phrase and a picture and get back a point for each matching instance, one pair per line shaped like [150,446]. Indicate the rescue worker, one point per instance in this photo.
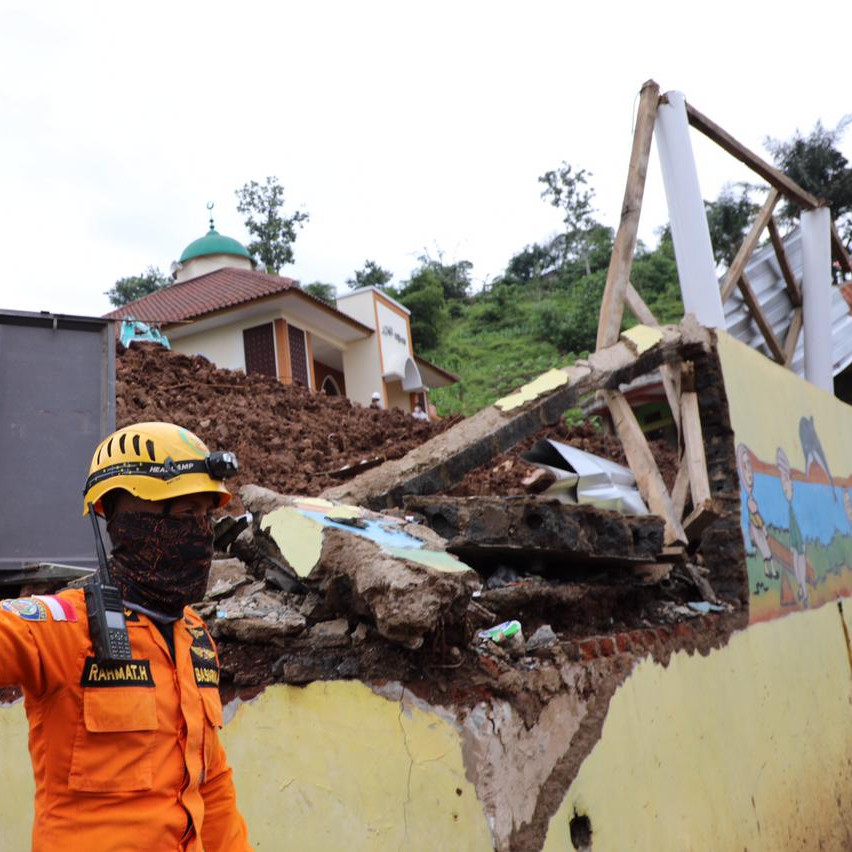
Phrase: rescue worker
[126,754]
[376,400]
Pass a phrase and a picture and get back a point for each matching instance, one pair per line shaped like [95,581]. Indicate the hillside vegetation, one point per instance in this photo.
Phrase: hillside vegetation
[527,322]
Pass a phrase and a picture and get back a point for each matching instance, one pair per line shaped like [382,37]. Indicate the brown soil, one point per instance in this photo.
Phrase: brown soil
[285,437]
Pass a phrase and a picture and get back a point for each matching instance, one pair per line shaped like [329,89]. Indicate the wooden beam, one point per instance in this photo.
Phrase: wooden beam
[739,263]
[681,488]
[637,305]
[642,464]
[700,518]
[785,185]
[838,250]
[793,289]
[792,337]
[760,318]
[693,439]
[670,375]
[618,276]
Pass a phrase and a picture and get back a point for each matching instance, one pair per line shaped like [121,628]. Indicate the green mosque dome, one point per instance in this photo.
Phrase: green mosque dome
[213,243]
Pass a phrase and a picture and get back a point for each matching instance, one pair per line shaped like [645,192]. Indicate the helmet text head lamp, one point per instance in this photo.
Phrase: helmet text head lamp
[157,461]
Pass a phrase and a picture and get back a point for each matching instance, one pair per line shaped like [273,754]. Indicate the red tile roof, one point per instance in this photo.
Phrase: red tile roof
[222,288]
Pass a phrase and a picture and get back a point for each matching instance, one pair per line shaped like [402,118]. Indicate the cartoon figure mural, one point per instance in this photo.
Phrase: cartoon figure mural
[812,448]
[755,532]
[796,562]
[798,535]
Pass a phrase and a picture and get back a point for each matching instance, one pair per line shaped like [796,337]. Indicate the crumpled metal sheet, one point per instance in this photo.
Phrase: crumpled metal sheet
[586,478]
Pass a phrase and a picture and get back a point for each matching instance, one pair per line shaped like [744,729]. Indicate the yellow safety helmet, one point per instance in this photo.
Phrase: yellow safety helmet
[156,461]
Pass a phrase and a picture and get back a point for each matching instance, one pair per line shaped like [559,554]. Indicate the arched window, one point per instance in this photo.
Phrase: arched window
[329,387]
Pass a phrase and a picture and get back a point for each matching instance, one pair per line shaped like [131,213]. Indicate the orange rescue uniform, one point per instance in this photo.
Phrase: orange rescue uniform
[125,757]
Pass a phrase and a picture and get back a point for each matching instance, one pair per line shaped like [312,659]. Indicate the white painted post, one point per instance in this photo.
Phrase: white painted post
[816,297]
[696,268]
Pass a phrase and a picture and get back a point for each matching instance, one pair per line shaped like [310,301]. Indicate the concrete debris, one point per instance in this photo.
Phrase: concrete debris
[482,530]
[542,639]
[363,564]
[330,634]
[226,576]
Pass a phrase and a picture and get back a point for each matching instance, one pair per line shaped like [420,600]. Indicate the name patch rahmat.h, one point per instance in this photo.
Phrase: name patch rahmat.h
[116,673]
[27,608]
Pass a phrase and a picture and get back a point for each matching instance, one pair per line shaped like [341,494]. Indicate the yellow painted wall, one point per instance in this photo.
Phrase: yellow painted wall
[747,748]
[18,788]
[335,766]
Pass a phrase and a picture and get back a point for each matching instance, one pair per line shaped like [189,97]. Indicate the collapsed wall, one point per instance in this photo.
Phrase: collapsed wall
[318,590]
[352,637]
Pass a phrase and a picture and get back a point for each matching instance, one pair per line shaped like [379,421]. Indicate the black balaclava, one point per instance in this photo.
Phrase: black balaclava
[161,562]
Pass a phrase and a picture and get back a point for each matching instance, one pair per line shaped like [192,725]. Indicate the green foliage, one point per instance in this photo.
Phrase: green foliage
[816,164]
[531,263]
[127,290]
[424,297]
[454,278]
[262,205]
[654,275]
[570,320]
[372,275]
[574,417]
[564,188]
[728,218]
[326,292]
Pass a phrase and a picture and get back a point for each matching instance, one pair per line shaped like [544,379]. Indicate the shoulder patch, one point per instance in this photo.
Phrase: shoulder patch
[116,673]
[29,609]
[59,608]
[203,656]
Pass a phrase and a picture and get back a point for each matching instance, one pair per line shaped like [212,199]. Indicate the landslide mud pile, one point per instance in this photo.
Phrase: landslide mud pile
[285,437]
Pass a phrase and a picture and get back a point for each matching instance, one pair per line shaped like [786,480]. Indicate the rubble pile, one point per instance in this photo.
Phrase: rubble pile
[285,437]
[508,474]
[486,587]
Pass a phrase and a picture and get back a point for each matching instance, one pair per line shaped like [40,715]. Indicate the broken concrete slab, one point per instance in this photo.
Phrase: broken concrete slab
[443,461]
[488,528]
[226,576]
[406,599]
[386,569]
[330,634]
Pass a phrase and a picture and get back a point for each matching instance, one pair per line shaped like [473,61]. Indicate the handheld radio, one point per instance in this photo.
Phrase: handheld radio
[105,608]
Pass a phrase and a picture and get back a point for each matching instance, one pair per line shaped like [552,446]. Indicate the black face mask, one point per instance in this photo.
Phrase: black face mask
[161,562]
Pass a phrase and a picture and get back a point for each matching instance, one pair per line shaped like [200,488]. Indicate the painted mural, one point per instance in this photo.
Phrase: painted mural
[795,475]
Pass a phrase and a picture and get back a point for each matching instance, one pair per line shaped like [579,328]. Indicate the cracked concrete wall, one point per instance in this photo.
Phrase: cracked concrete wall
[749,748]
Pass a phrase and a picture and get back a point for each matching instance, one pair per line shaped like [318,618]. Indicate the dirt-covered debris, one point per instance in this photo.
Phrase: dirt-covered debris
[285,437]
[504,475]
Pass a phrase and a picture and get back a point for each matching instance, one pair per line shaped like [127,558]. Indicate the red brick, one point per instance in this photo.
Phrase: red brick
[664,634]
[650,638]
[682,630]
[637,638]
[622,642]
[607,646]
[588,649]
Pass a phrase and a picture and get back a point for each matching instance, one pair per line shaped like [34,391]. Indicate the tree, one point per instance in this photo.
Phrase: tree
[565,190]
[372,275]
[262,205]
[127,290]
[326,292]
[728,218]
[530,263]
[454,278]
[816,164]
[424,297]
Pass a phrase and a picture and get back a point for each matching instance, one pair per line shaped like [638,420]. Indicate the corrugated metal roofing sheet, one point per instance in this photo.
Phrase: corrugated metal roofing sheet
[764,273]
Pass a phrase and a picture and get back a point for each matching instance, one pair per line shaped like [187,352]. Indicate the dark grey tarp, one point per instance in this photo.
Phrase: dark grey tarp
[57,401]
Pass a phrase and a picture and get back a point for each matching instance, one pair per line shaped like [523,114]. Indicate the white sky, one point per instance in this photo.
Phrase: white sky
[397,126]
